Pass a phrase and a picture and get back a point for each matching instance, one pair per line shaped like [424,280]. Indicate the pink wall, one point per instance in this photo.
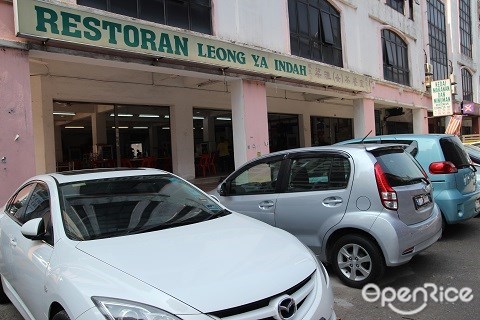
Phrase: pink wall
[387,93]
[7,25]
[15,119]
[256,118]
[15,110]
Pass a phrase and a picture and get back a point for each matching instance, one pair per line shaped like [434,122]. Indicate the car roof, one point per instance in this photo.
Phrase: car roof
[100,173]
[348,148]
[435,136]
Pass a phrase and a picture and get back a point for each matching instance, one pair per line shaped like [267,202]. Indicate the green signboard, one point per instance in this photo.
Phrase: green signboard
[86,26]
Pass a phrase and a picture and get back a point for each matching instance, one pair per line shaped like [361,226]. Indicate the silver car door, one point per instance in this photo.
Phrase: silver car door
[253,190]
[316,196]
[31,257]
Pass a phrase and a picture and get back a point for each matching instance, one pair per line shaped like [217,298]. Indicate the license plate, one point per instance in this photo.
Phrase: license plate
[423,200]
[477,204]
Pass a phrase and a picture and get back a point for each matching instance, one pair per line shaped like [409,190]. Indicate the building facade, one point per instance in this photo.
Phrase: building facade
[101,83]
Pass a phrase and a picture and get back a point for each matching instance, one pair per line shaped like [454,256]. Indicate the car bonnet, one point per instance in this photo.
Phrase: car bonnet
[213,265]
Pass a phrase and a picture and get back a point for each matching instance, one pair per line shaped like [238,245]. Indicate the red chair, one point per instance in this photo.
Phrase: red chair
[203,164]
[149,162]
[126,163]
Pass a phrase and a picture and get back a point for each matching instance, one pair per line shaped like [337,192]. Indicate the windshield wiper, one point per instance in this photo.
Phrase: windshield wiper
[218,214]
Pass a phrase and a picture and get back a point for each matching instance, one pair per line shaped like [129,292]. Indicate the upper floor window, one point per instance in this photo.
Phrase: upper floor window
[465,27]
[398,5]
[410,11]
[395,58]
[467,87]
[187,14]
[315,31]
[437,38]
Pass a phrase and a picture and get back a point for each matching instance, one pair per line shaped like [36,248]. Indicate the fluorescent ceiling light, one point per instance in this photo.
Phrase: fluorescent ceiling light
[148,116]
[120,127]
[122,115]
[74,127]
[167,116]
[140,127]
[64,113]
[224,118]
[198,118]
[166,128]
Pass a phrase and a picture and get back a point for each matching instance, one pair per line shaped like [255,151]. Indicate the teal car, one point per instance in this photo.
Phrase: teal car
[448,166]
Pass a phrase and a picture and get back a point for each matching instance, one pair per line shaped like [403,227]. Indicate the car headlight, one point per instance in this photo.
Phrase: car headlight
[118,309]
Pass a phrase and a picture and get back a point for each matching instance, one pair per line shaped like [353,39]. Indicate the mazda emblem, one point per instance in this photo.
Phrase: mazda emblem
[287,308]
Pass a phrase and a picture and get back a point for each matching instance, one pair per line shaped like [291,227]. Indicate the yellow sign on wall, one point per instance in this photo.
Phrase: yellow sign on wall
[82,26]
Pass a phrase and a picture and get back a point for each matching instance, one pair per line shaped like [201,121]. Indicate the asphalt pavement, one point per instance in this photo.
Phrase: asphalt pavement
[453,262]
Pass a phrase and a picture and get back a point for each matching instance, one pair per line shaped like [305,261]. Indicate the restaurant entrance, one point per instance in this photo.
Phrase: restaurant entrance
[90,135]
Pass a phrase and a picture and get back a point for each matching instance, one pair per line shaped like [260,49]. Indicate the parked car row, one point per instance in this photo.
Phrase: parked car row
[138,243]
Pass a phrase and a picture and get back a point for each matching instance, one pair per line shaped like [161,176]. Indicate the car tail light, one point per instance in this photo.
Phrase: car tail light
[386,192]
[442,167]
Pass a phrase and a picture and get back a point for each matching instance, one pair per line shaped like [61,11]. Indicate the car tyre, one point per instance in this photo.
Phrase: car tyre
[3,297]
[62,315]
[357,260]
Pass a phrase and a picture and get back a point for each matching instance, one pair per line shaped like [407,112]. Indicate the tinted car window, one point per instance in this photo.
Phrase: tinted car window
[318,173]
[38,205]
[119,206]
[17,205]
[399,167]
[258,179]
[473,153]
[454,152]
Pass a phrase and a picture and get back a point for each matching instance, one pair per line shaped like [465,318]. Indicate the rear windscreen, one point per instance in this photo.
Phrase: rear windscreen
[454,152]
[399,167]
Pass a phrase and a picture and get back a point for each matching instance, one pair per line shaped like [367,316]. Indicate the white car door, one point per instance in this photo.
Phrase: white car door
[9,226]
[31,257]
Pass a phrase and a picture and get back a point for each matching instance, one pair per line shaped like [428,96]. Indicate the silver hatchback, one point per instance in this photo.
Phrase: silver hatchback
[359,207]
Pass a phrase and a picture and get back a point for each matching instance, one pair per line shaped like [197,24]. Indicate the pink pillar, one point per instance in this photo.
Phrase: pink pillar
[17,149]
[250,120]
[420,121]
[363,117]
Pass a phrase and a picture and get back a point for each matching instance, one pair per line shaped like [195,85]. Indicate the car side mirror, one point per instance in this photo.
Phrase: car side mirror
[33,229]
[222,189]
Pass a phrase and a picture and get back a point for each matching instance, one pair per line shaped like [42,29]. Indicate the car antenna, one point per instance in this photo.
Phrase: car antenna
[361,141]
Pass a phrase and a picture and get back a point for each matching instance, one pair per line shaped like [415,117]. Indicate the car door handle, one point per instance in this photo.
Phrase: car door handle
[332,201]
[13,242]
[266,205]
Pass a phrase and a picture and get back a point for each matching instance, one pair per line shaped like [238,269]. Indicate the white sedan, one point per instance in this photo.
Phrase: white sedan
[131,244]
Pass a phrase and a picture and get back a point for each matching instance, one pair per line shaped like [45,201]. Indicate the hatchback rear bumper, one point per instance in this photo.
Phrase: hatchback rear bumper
[400,242]
[457,207]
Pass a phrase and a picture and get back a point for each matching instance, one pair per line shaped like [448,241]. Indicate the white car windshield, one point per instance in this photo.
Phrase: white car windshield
[121,206]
